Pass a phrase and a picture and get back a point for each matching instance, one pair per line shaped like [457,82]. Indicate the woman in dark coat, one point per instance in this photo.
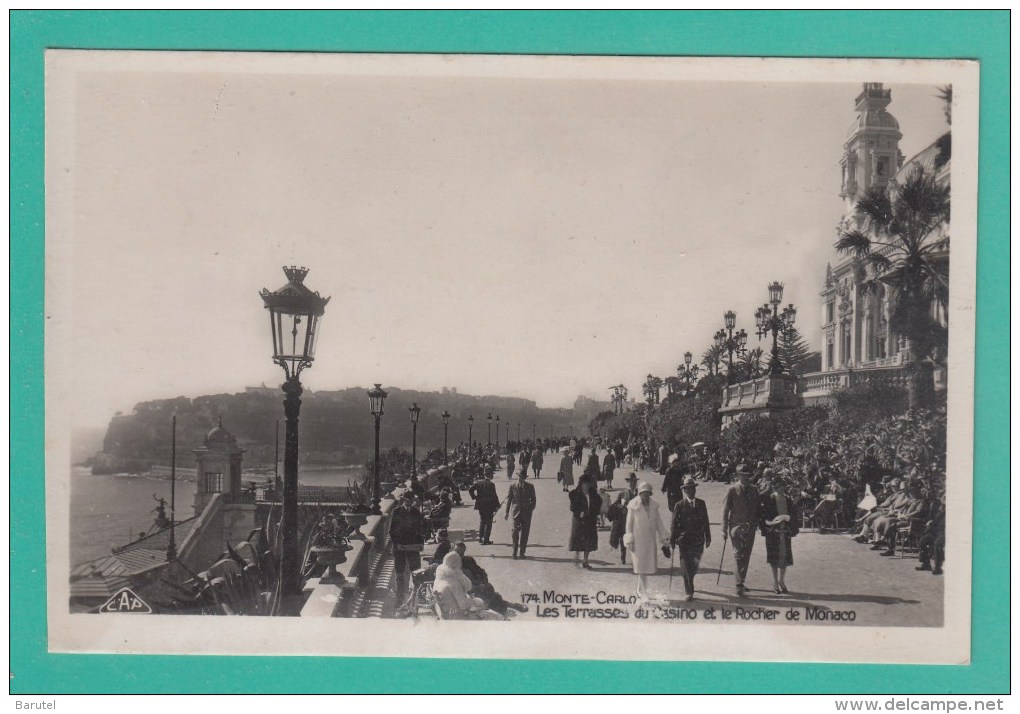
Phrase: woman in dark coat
[585,506]
[779,519]
[592,469]
[617,514]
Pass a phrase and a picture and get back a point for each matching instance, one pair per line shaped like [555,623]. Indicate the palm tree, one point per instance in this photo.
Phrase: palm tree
[712,358]
[901,239]
[750,365]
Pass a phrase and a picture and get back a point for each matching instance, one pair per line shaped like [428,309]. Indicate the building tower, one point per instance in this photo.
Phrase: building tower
[871,153]
[218,467]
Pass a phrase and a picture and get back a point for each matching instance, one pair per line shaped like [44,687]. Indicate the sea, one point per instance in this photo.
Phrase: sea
[112,509]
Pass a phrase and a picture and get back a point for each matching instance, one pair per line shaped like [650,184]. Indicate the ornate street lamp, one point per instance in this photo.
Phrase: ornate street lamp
[518,435]
[488,436]
[415,412]
[471,425]
[687,372]
[730,342]
[376,400]
[497,433]
[294,313]
[771,321]
[446,428]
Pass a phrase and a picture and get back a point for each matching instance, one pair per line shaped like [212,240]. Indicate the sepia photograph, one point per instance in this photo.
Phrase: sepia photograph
[526,357]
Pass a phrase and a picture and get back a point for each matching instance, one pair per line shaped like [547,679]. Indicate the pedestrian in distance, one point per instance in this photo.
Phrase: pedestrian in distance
[511,463]
[608,467]
[690,533]
[537,458]
[524,459]
[520,503]
[566,472]
[672,484]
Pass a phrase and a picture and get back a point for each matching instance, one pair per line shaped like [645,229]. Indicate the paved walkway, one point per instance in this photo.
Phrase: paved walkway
[831,575]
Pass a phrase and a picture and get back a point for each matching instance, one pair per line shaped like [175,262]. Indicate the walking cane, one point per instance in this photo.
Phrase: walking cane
[671,552]
[718,574]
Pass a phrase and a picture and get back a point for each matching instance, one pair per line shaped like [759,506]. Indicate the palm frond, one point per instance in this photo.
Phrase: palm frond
[854,243]
[879,262]
[877,208]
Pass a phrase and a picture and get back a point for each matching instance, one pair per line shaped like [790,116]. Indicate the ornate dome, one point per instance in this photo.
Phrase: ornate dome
[873,119]
[219,435]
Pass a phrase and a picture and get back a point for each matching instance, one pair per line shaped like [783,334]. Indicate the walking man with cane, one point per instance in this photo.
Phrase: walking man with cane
[520,502]
[739,522]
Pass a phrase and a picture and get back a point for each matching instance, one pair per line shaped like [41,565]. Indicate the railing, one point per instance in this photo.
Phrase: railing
[827,382]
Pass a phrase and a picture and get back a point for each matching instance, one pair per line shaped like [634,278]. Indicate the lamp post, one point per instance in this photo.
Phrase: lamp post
[488,436]
[446,428]
[294,313]
[171,548]
[518,435]
[532,431]
[415,412]
[376,400]
[687,372]
[730,342]
[471,425]
[497,433]
[771,320]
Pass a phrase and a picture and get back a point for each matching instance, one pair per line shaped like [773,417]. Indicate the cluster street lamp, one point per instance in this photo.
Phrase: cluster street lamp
[687,372]
[446,427]
[294,313]
[415,411]
[488,438]
[376,400]
[771,320]
[730,342]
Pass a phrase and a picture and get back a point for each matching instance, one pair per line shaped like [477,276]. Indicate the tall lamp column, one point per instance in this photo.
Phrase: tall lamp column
[294,313]
[415,412]
[771,320]
[376,400]
[488,434]
[446,428]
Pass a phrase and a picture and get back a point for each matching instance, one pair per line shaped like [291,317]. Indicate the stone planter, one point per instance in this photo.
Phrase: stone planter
[355,521]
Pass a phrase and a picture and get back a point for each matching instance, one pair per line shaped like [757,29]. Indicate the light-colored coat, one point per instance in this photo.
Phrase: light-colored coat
[646,532]
[566,474]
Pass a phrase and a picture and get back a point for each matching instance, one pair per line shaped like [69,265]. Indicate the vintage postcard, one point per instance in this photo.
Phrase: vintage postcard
[607,358]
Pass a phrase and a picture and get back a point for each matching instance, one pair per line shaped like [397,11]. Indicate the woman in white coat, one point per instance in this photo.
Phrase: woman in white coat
[646,533]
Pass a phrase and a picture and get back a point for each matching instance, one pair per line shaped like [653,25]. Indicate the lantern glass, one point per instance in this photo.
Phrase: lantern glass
[415,412]
[470,418]
[294,313]
[489,418]
[687,358]
[376,399]
[446,417]
[791,313]
[776,292]
[731,319]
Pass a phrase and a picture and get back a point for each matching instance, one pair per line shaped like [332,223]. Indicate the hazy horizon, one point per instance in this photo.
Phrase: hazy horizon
[530,237]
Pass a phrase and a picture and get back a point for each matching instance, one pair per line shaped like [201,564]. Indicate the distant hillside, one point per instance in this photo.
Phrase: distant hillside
[85,442]
[336,427]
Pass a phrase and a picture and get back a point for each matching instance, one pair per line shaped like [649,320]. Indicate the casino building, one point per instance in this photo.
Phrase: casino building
[858,342]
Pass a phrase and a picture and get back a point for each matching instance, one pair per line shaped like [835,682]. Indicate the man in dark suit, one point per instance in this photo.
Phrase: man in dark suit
[690,533]
[483,491]
[408,531]
[740,521]
[520,502]
[672,484]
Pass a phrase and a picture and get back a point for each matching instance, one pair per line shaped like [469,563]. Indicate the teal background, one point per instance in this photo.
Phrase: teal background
[971,34]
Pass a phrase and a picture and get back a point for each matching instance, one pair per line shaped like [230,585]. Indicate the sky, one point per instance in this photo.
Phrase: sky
[538,237]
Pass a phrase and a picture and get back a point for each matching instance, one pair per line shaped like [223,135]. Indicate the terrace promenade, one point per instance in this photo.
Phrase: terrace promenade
[830,572]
